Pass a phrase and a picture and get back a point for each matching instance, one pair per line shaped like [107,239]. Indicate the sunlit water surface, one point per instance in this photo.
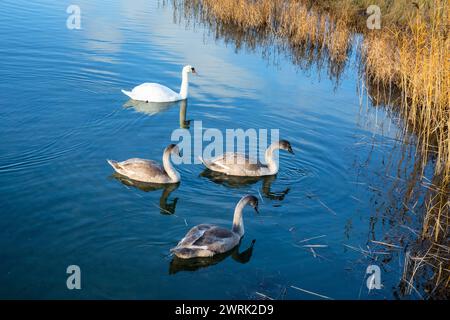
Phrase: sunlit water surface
[63,115]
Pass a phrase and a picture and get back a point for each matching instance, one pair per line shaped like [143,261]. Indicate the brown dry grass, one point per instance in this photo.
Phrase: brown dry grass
[415,57]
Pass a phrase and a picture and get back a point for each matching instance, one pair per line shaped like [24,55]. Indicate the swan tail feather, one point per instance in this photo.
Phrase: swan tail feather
[205,163]
[221,165]
[114,164]
[127,93]
[213,165]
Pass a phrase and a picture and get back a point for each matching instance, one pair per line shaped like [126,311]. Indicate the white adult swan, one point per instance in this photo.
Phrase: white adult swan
[154,92]
[206,240]
[237,164]
[148,170]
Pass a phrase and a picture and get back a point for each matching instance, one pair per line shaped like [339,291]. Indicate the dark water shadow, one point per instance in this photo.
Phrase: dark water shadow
[166,207]
[178,264]
[241,182]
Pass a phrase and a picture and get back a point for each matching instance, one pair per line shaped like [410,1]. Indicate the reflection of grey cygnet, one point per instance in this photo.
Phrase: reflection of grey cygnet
[148,170]
[177,264]
[154,92]
[242,182]
[207,240]
[237,164]
[164,204]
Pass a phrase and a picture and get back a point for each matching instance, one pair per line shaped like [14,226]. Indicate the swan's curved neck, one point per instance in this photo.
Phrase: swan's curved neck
[168,167]
[270,161]
[238,222]
[184,85]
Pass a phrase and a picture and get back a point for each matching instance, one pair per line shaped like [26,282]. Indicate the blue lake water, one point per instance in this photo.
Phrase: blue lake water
[63,115]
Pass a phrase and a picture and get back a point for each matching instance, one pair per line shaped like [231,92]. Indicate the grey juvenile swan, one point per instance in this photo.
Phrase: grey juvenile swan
[207,240]
[237,164]
[148,170]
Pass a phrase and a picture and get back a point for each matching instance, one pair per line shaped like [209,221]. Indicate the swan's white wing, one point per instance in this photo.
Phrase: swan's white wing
[153,92]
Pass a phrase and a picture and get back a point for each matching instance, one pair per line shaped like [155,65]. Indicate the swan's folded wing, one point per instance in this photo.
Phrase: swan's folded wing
[194,235]
[216,239]
[154,92]
[235,163]
[138,166]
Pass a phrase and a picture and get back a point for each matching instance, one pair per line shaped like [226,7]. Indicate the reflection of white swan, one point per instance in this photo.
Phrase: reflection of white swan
[237,164]
[184,124]
[154,92]
[147,170]
[149,108]
[207,240]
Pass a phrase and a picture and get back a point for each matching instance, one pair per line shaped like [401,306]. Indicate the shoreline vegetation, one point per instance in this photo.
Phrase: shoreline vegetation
[405,66]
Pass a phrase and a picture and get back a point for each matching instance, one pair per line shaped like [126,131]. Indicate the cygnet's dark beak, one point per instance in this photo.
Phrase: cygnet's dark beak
[290,150]
[256,210]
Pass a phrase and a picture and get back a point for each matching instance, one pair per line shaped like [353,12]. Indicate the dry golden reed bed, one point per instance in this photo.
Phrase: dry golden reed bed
[411,53]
